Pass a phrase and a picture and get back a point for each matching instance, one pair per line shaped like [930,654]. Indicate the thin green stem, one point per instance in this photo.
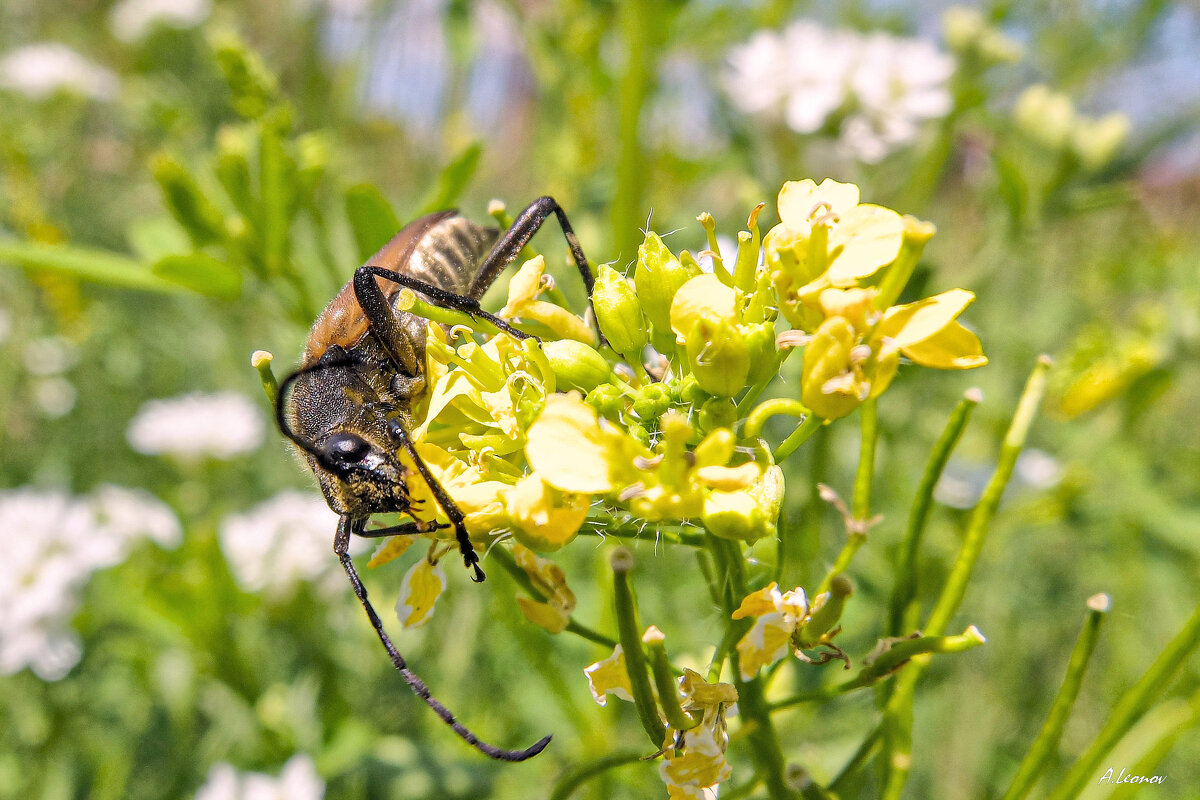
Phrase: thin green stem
[580,775]
[902,608]
[630,528]
[757,418]
[638,23]
[1132,705]
[629,632]
[860,505]
[664,681]
[799,436]
[1045,745]
[897,719]
[857,761]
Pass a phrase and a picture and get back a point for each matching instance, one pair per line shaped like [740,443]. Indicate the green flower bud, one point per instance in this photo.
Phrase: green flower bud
[717,412]
[826,615]
[575,365]
[652,401]
[657,278]
[719,357]
[747,514]
[690,391]
[639,432]
[763,360]
[196,214]
[826,358]
[1047,117]
[619,312]
[606,400]
[1096,142]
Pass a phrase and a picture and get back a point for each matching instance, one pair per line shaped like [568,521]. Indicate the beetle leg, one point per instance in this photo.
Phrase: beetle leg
[346,526]
[388,323]
[470,557]
[516,237]
[404,529]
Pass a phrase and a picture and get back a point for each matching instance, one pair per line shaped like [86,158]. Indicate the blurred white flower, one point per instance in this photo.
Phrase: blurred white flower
[54,397]
[282,542]
[131,20]
[53,542]
[191,427]
[41,70]
[874,89]
[49,355]
[298,780]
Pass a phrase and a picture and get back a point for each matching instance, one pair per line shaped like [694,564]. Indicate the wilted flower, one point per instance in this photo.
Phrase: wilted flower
[876,89]
[41,70]
[281,543]
[131,20]
[298,780]
[196,426]
[54,541]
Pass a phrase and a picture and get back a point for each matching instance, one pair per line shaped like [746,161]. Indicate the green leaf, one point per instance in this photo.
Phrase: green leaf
[277,172]
[151,238]
[453,180]
[192,209]
[201,273]
[371,218]
[98,266]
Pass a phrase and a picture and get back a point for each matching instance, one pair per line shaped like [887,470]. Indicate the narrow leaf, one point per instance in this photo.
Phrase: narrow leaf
[371,218]
[98,266]
[453,180]
[201,273]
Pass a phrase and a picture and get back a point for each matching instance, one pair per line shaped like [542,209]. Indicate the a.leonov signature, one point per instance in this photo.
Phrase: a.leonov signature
[1121,777]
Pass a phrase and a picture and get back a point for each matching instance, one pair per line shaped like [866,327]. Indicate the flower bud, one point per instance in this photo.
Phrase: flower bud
[1096,142]
[827,358]
[717,413]
[1045,116]
[760,339]
[619,313]
[747,514]
[575,365]
[657,278]
[703,297]
[719,357]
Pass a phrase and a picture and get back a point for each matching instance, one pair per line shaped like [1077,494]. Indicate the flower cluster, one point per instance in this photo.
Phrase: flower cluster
[197,426]
[54,541]
[874,90]
[298,780]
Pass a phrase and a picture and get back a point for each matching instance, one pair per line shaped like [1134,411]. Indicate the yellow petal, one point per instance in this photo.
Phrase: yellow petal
[544,615]
[764,644]
[610,677]
[864,239]
[390,550]
[798,199]
[912,323]
[546,575]
[702,297]
[563,323]
[728,479]
[524,286]
[422,585]
[755,604]
[953,347]
[568,448]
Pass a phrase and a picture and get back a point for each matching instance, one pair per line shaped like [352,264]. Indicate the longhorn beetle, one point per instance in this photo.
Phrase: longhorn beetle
[348,408]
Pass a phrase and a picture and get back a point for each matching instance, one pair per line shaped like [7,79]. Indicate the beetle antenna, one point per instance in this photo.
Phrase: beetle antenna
[341,547]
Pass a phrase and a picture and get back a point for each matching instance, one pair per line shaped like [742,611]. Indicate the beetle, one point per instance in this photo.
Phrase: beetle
[348,407]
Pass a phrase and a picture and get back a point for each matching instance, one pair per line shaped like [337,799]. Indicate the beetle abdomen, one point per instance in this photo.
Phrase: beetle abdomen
[441,249]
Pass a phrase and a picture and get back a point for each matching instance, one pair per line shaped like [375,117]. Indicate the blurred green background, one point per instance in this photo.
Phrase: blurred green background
[130,668]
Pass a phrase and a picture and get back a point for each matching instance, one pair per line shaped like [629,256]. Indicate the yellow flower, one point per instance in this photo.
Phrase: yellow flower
[694,760]
[543,517]
[928,333]
[778,615]
[555,612]
[420,589]
[826,239]
[523,291]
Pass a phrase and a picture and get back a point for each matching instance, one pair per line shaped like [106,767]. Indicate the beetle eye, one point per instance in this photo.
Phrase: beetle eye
[347,448]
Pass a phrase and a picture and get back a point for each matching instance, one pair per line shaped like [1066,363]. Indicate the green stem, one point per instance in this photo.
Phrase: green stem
[1045,745]
[752,705]
[902,608]
[628,630]
[580,775]
[856,762]
[630,528]
[799,436]
[637,22]
[1132,705]
[860,505]
[757,418]
[664,681]
[897,718]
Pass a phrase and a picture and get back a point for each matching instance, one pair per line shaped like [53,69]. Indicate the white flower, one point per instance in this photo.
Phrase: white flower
[194,426]
[54,397]
[875,89]
[53,542]
[131,20]
[298,780]
[282,542]
[40,70]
